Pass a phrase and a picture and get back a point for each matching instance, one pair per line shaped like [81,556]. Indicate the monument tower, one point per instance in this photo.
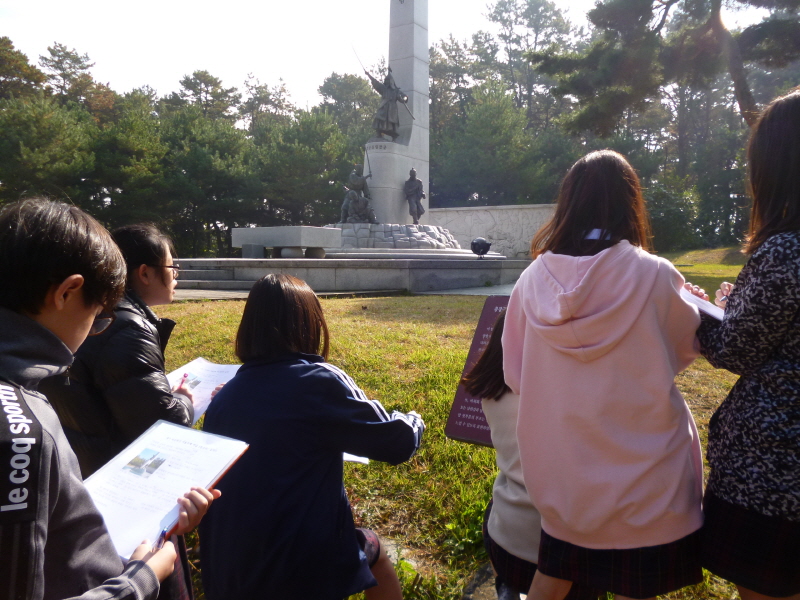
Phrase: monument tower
[390,161]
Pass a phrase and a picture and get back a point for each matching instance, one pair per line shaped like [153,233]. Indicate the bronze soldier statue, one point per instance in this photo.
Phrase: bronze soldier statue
[359,209]
[387,119]
[358,183]
[413,191]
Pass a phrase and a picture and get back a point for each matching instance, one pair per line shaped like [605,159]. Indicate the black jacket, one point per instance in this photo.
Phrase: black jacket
[117,388]
[283,527]
[54,543]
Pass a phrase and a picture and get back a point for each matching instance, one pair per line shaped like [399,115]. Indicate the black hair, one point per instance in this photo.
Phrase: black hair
[282,315]
[43,242]
[143,244]
[485,379]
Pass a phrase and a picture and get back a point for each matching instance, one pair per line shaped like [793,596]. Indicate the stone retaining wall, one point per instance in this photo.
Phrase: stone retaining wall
[509,228]
[369,235]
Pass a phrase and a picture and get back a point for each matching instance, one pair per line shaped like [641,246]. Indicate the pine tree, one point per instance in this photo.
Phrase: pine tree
[642,46]
[18,77]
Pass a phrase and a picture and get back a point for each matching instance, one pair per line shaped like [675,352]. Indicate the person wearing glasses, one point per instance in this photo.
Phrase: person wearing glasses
[117,386]
[60,269]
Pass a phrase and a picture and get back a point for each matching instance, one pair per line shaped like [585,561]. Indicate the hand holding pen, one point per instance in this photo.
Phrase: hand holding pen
[722,294]
[182,389]
[161,560]
[192,508]
[160,557]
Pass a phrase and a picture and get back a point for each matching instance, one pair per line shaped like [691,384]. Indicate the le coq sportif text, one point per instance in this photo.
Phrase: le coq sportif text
[17,471]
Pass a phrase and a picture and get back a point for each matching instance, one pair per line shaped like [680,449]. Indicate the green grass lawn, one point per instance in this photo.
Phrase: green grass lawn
[708,268]
[409,352]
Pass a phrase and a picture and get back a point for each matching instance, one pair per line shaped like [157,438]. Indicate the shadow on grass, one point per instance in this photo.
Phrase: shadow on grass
[729,256]
[734,256]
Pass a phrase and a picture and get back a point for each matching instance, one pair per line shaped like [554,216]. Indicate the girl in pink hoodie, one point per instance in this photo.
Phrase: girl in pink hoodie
[596,331]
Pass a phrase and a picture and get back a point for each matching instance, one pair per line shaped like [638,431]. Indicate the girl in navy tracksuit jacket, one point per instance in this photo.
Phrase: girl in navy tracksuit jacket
[283,527]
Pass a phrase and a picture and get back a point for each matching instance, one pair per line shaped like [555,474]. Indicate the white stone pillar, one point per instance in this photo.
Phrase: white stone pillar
[389,161]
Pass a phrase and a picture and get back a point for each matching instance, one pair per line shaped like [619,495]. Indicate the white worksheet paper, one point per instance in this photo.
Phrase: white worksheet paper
[202,377]
[704,305]
[137,491]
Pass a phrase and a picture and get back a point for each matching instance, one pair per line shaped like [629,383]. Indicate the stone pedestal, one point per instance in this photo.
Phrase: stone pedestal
[252,250]
[286,236]
[389,162]
[396,236]
[287,241]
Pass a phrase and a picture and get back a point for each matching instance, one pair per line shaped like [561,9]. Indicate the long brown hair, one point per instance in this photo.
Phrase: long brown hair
[773,159]
[600,191]
[485,379]
[282,315]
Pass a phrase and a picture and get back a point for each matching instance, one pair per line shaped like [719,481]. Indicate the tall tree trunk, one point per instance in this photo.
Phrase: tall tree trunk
[744,97]
[529,98]
[221,249]
[683,145]
[194,231]
[229,240]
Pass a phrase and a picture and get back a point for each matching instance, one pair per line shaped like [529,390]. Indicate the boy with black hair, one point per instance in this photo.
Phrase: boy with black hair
[59,270]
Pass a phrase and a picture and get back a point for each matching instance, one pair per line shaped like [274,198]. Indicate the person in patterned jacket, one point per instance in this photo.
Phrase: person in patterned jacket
[751,534]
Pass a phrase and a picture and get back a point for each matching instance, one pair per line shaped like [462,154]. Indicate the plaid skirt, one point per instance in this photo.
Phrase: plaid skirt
[752,550]
[632,572]
[517,573]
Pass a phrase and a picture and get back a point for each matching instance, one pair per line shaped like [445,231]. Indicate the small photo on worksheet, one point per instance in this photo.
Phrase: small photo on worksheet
[145,463]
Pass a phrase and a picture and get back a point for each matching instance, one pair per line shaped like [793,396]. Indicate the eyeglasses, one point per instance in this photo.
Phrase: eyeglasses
[102,322]
[176,269]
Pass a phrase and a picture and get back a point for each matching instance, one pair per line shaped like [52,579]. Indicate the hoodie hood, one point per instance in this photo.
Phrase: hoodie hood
[584,305]
[28,351]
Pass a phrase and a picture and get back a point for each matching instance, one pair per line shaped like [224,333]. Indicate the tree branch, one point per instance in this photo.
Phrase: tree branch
[666,6]
[744,97]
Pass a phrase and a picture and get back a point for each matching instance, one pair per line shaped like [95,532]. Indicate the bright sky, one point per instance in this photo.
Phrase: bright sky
[157,42]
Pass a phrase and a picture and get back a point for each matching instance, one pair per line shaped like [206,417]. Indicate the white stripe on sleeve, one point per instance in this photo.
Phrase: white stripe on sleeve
[356,391]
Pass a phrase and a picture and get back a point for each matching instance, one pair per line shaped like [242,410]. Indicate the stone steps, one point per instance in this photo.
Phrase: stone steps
[206,274]
[227,283]
[396,253]
[352,274]
[233,285]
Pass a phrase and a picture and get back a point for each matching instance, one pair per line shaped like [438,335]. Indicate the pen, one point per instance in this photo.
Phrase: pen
[183,379]
[162,537]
